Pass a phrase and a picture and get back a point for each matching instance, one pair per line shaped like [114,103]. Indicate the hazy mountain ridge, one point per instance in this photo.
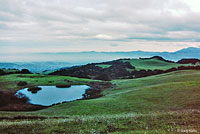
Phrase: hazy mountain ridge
[68,59]
[35,66]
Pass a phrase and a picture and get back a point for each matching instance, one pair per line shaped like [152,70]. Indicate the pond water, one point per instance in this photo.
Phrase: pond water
[51,94]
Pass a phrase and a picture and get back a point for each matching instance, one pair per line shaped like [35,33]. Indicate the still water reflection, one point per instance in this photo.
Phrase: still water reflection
[51,94]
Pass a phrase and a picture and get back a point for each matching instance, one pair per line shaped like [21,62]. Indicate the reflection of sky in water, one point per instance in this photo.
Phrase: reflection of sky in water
[52,95]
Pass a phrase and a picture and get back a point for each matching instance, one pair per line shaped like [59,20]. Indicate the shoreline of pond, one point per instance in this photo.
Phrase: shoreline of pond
[21,104]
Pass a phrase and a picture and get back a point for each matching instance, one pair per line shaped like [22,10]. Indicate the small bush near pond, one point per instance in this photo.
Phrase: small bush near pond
[63,86]
[34,89]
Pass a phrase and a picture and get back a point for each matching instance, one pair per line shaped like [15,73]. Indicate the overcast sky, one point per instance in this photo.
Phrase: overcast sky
[98,25]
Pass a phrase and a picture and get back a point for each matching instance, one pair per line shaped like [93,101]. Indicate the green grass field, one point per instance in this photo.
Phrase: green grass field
[152,64]
[167,103]
[104,65]
[9,82]
[146,64]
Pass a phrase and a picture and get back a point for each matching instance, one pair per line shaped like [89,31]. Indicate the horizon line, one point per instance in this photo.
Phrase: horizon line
[99,51]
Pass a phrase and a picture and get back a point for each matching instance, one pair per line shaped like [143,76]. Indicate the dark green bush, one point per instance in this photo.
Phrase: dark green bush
[22,83]
[104,77]
[63,86]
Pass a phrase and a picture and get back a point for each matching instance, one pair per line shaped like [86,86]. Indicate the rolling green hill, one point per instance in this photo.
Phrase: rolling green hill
[166,103]
[173,91]
[123,68]
[152,64]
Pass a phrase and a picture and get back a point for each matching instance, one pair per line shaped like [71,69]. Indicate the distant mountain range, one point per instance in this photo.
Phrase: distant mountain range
[92,56]
[34,66]
[190,52]
[67,59]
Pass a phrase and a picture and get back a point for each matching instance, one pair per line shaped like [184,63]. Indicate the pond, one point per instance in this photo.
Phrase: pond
[49,95]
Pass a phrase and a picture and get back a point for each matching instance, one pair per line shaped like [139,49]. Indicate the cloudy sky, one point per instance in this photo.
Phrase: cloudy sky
[98,25]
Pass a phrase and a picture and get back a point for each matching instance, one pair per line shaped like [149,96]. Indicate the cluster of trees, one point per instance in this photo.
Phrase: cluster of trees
[95,90]
[91,93]
[23,71]
[144,73]
[119,70]
[2,72]
[10,98]
[188,61]
[92,71]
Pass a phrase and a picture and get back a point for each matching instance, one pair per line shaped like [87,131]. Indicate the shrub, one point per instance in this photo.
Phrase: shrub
[2,99]
[91,93]
[25,71]
[63,86]
[10,98]
[104,77]
[22,83]
[34,89]
[2,72]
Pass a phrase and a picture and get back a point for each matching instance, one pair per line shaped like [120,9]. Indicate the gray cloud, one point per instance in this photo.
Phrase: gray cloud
[86,23]
[114,45]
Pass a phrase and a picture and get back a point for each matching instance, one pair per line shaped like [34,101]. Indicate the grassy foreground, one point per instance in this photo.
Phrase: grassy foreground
[167,103]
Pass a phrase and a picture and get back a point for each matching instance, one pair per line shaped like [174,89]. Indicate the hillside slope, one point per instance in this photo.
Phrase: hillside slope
[122,68]
[166,103]
[177,90]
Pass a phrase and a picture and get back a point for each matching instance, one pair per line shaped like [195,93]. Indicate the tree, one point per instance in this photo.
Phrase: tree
[25,71]
[2,72]
[104,77]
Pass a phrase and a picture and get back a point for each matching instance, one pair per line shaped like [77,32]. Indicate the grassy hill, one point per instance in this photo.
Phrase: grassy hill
[152,64]
[9,84]
[172,91]
[166,103]
[122,68]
